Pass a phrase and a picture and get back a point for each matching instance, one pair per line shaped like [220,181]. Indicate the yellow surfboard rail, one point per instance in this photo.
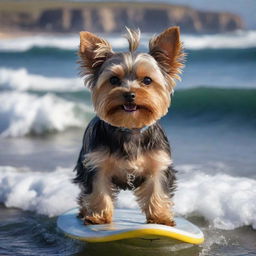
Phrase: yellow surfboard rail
[140,233]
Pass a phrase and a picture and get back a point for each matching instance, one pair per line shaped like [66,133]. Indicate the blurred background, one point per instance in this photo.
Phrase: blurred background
[44,109]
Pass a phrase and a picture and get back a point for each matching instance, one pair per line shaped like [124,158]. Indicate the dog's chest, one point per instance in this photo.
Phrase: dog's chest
[114,164]
[128,172]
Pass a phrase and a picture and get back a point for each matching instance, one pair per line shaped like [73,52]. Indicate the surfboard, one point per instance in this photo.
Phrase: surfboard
[129,224]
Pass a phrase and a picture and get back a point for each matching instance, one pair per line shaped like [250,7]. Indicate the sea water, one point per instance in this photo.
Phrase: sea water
[211,125]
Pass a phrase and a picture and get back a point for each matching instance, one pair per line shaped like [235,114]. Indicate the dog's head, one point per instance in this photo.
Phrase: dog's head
[131,89]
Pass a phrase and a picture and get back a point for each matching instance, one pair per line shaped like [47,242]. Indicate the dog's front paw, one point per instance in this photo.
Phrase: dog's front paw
[167,222]
[91,220]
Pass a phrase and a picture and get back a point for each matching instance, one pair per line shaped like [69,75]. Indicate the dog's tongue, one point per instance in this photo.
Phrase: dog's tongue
[130,107]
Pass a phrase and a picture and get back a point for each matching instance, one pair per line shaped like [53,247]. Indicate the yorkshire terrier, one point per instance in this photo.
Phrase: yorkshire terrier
[124,147]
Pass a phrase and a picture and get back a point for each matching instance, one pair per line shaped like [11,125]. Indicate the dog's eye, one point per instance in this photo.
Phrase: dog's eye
[114,80]
[147,80]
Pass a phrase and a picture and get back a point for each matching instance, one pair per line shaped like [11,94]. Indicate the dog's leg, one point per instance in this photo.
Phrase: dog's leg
[154,198]
[97,207]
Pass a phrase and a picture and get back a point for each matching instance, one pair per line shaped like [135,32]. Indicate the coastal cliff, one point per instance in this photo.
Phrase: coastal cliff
[109,17]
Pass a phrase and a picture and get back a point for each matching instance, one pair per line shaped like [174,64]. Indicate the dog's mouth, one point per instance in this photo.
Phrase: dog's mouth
[130,107]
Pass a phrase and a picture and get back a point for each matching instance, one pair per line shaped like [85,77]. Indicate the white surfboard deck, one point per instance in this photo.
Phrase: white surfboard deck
[128,224]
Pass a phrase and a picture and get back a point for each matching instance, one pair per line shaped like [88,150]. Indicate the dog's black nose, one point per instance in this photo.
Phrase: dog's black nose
[129,96]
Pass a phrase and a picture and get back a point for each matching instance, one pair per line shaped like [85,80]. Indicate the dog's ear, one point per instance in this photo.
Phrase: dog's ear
[93,51]
[167,50]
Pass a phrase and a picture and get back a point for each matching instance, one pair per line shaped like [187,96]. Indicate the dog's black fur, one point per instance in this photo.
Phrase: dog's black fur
[124,143]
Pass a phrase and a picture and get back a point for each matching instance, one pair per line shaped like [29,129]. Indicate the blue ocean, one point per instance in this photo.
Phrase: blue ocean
[211,125]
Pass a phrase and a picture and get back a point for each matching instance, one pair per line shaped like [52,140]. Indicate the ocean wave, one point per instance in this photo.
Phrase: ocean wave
[23,113]
[226,202]
[43,192]
[22,80]
[66,42]
[215,104]
[235,40]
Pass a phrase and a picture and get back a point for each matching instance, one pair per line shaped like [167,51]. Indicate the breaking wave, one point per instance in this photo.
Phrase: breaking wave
[38,112]
[235,40]
[22,113]
[45,193]
[226,202]
[22,80]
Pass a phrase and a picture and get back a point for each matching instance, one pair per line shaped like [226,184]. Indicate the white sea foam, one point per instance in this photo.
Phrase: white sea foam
[45,193]
[21,80]
[226,202]
[21,44]
[238,39]
[68,42]
[22,113]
